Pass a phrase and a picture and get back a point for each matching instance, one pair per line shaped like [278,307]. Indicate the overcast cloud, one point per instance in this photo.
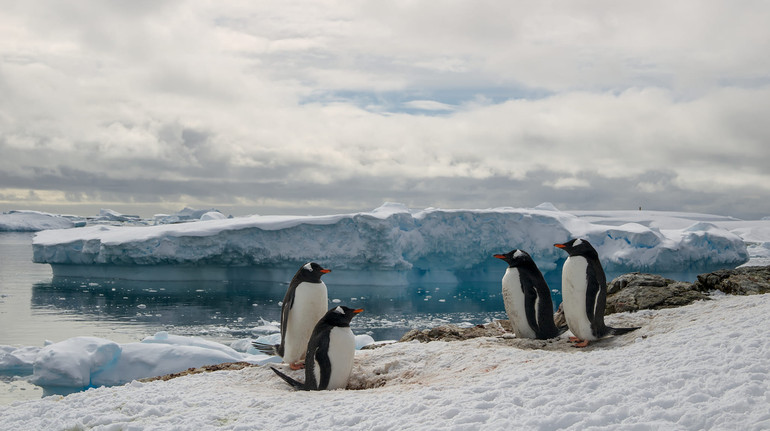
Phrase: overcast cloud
[316,107]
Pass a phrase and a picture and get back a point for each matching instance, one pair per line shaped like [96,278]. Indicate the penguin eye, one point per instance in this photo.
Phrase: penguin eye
[309,266]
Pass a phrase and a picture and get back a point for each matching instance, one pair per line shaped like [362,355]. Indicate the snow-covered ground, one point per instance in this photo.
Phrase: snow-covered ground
[702,366]
[394,244]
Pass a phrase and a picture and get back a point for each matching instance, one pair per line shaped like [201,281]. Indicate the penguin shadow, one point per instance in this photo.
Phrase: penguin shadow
[563,344]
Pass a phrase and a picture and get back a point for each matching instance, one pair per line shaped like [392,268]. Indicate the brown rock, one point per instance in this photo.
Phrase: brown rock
[750,280]
[637,291]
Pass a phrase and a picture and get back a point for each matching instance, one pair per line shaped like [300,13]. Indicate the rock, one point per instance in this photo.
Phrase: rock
[454,332]
[751,280]
[636,291]
[204,369]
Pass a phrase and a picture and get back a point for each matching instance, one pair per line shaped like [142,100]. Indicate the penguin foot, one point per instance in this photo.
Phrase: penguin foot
[574,339]
[580,343]
[297,365]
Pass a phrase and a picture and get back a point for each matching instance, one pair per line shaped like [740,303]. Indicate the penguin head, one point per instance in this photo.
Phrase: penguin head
[515,258]
[312,272]
[578,247]
[341,315]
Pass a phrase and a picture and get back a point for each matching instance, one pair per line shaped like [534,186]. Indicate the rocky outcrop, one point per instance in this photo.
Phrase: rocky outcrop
[751,280]
[456,333]
[637,291]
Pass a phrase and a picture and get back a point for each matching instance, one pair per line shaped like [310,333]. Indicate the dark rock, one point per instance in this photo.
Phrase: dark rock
[750,280]
[454,333]
[637,291]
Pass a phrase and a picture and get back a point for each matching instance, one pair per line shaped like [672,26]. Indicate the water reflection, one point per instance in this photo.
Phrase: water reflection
[233,309]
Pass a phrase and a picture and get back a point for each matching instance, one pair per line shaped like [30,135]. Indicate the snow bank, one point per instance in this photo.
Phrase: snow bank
[85,362]
[393,242]
[33,221]
[666,375]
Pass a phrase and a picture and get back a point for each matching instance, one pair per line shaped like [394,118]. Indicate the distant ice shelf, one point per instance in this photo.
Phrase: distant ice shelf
[389,245]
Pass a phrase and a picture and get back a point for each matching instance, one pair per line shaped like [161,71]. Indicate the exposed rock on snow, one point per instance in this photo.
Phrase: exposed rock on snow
[637,291]
[456,333]
[204,369]
[740,281]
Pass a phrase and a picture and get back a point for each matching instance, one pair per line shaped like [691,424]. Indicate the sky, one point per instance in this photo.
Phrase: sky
[317,107]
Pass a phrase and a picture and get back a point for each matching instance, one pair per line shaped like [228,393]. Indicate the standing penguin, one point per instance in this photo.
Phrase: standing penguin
[584,293]
[526,297]
[330,352]
[305,303]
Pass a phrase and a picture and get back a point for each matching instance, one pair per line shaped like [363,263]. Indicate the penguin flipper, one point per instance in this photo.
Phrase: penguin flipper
[267,349]
[620,331]
[293,383]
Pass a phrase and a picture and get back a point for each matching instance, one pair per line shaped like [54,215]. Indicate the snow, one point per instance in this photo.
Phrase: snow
[702,366]
[397,245]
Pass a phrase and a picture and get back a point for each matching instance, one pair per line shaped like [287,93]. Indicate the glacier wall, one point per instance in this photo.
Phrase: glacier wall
[389,245]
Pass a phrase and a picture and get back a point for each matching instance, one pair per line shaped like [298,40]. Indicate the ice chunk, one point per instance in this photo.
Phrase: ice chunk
[83,362]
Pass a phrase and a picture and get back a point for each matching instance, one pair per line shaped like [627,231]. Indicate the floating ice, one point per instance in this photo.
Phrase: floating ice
[33,221]
[390,245]
[82,362]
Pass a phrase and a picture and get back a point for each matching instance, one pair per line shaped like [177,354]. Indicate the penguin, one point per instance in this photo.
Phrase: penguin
[584,293]
[526,297]
[305,303]
[330,352]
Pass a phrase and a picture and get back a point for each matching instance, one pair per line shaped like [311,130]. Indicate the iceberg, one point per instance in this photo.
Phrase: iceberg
[389,245]
[34,221]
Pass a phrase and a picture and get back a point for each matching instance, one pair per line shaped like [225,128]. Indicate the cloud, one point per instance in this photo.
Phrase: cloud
[324,106]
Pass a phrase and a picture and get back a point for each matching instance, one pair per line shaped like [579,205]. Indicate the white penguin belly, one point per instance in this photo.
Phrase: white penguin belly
[342,349]
[310,303]
[513,299]
[573,290]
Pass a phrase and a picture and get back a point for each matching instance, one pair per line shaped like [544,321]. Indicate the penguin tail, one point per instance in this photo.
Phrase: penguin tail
[620,331]
[267,349]
[293,383]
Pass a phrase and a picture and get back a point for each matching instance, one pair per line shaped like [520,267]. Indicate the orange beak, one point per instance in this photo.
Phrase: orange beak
[358,310]
[326,271]
[499,256]
[560,246]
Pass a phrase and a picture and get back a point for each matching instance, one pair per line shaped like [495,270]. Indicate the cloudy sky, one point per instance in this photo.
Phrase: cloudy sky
[312,107]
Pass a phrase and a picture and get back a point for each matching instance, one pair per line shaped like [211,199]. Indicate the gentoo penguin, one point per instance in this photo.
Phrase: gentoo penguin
[527,298]
[305,303]
[584,293]
[330,352]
